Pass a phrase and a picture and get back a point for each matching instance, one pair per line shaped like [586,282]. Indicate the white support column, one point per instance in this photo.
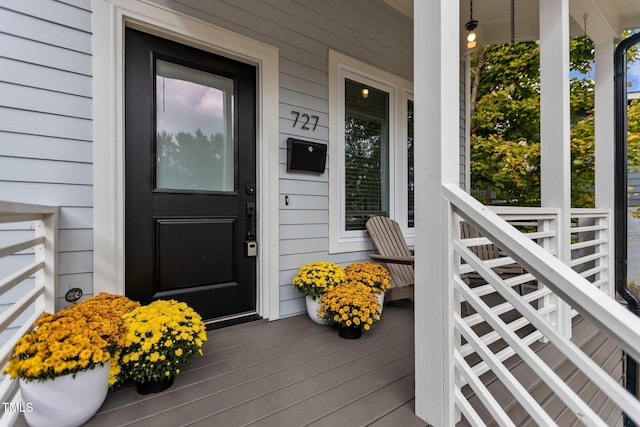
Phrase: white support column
[436,88]
[604,139]
[555,122]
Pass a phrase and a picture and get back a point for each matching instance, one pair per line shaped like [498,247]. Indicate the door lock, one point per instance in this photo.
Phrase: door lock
[252,248]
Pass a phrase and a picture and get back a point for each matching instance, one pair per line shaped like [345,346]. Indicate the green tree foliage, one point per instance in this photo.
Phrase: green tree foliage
[364,170]
[190,159]
[505,134]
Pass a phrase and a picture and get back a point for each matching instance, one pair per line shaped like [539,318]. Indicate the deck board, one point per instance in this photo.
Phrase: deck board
[290,372]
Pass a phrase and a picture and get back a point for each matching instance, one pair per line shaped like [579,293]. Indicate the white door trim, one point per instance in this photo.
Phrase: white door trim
[110,17]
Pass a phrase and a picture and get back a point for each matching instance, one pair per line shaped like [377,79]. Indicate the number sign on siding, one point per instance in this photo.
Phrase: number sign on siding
[305,121]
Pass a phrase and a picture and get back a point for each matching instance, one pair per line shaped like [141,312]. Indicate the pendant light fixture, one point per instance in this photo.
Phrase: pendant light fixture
[470,27]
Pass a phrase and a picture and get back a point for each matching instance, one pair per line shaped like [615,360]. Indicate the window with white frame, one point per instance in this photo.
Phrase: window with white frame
[370,128]
[410,167]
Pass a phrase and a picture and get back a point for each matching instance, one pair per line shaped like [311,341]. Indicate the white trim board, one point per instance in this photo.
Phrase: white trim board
[110,17]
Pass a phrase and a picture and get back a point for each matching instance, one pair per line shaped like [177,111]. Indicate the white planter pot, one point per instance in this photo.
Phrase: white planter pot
[380,300]
[312,309]
[65,401]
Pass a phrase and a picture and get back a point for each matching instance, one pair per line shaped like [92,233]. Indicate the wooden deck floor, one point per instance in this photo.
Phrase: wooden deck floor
[290,372]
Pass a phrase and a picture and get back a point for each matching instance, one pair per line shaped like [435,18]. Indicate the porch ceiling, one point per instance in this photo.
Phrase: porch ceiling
[604,17]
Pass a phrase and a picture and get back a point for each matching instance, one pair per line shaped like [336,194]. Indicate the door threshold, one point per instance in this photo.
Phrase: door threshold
[233,319]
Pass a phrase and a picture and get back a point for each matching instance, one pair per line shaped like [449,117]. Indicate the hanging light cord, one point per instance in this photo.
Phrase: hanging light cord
[513,23]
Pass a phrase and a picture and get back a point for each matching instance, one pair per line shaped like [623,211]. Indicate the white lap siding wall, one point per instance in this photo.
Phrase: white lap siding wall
[46,129]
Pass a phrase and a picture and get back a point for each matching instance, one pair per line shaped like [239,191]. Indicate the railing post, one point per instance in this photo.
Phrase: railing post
[609,235]
[47,252]
[550,245]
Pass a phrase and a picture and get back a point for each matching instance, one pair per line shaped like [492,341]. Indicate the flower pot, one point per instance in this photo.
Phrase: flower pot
[380,297]
[156,386]
[312,309]
[65,401]
[349,332]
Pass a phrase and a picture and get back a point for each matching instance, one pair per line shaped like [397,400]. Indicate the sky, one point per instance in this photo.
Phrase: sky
[186,106]
[633,76]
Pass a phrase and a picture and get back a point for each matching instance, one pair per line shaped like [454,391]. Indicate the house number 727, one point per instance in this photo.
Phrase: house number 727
[304,119]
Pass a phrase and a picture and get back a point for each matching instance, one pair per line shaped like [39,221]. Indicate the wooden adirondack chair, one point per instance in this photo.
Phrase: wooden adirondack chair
[394,253]
[487,252]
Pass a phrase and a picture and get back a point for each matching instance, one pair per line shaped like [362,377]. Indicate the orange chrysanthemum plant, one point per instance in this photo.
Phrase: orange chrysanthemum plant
[314,278]
[160,337]
[372,275]
[350,305]
[75,339]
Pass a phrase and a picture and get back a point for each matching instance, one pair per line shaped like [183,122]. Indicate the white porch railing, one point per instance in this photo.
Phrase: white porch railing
[35,280]
[494,318]
[592,247]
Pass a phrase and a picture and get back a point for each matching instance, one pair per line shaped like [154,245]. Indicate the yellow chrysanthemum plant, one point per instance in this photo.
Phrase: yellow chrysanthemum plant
[314,278]
[77,338]
[375,276]
[160,338]
[350,305]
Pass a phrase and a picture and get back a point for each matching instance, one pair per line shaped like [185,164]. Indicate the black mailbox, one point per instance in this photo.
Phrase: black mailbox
[306,156]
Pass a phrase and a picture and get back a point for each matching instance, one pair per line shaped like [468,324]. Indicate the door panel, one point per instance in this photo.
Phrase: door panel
[190,176]
[203,263]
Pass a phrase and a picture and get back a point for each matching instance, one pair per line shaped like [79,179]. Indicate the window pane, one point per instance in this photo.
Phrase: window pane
[410,185]
[366,154]
[194,128]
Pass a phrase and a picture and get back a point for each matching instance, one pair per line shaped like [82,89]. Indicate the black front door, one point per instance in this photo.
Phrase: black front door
[190,177]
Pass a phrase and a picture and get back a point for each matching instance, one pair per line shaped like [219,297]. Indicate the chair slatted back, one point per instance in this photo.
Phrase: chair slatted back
[389,241]
[484,252]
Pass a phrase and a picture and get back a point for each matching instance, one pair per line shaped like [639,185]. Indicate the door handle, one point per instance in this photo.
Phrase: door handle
[251,214]
[251,244]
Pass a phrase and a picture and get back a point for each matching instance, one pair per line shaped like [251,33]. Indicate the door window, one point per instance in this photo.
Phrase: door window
[195,147]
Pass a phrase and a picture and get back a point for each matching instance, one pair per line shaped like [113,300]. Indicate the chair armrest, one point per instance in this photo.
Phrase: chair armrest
[393,259]
[509,269]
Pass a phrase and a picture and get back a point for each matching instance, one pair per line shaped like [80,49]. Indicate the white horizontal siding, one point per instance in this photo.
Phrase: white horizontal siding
[46,171]
[80,4]
[34,52]
[76,217]
[305,202]
[46,129]
[44,124]
[47,32]
[76,262]
[49,194]
[463,137]
[303,231]
[77,17]
[297,246]
[75,240]
[45,147]
[44,101]
[36,76]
